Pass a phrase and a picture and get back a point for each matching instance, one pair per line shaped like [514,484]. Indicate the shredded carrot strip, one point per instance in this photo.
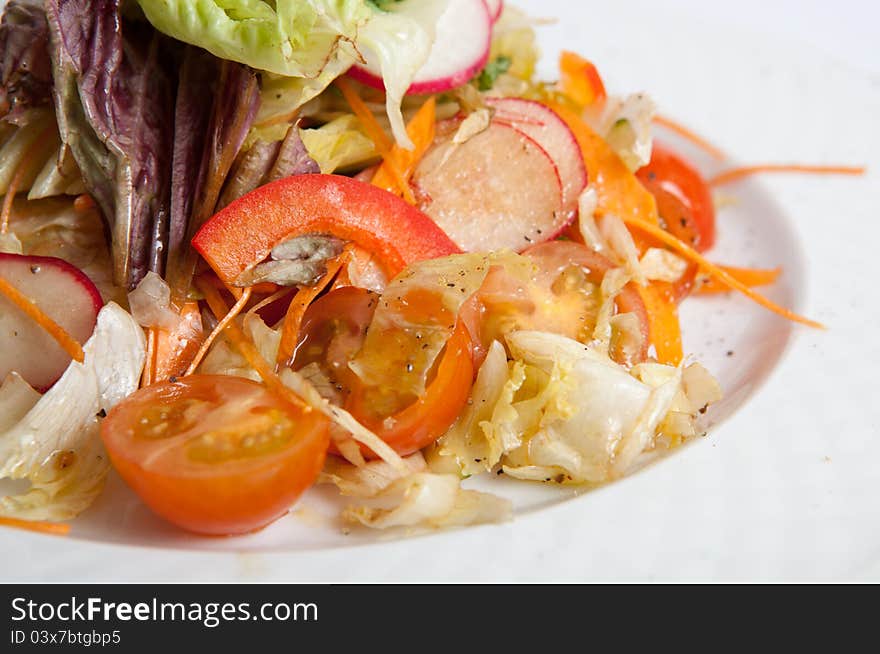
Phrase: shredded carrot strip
[301,302]
[56,331]
[664,329]
[148,374]
[54,528]
[746,171]
[421,131]
[381,140]
[691,136]
[224,322]
[619,190]
[247,349]
[720,274]
[38,150]
[751,277]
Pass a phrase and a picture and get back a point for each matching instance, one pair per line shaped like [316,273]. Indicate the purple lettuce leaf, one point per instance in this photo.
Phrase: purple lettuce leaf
[114,103]
[267,161]
[25,66]
[236,99]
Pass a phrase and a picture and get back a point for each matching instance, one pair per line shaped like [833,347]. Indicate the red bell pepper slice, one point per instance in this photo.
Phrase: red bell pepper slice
[244,233]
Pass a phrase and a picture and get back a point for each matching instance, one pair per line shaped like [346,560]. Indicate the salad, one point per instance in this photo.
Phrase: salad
[251,246]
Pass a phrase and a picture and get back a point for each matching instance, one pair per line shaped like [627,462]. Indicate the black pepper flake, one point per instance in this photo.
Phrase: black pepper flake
[730,353]
[172,379]
[410,367]
[101,414]
[500,472]
[527,239]
[35,269]
[704,409]
[451,284]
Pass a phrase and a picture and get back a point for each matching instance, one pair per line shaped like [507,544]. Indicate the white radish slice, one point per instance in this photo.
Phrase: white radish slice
[546,127]
[499,189]
[495,8]
[63,293]
[460,51]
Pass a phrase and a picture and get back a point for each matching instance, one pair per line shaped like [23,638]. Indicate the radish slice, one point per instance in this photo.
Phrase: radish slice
[460,51]
[495,7]
[545,126]
[63,293]
[499,189]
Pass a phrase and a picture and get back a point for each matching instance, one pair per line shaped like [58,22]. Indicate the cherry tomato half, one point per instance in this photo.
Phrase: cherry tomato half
[553,257]
[668,174]
[334,328]
[215,454]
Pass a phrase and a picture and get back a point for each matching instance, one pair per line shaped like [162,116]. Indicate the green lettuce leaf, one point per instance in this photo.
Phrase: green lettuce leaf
[309,43]
[294,38]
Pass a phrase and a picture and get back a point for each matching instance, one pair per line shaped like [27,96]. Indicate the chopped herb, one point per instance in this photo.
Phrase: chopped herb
[498,66]
[382,5]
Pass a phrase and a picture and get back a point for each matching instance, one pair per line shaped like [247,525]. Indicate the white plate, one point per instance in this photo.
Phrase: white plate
[780,490]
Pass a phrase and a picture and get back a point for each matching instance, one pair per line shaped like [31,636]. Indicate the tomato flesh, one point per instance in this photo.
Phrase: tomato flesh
[669,177]
[214,454]
[334,328]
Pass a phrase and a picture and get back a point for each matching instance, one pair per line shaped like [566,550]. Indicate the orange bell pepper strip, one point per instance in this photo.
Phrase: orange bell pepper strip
[580,80]
[751,277]
[664,330]
[620,192]
[404,162]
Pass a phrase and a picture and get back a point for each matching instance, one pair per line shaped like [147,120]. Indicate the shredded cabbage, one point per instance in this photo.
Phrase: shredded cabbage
[482,433]
[52,440]
[428,500]
[626,124]
[150,303]
[659,264]
[565,412]
[339,145]
[368,479]
[620,243]
[588,202]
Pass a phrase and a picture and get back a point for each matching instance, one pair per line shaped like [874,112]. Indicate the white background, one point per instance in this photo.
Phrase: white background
[784,491]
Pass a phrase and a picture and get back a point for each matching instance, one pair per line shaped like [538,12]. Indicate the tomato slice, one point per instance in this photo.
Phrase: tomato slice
[554,257]
[669,177]
[333,331]
[432,414]
[215,454]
